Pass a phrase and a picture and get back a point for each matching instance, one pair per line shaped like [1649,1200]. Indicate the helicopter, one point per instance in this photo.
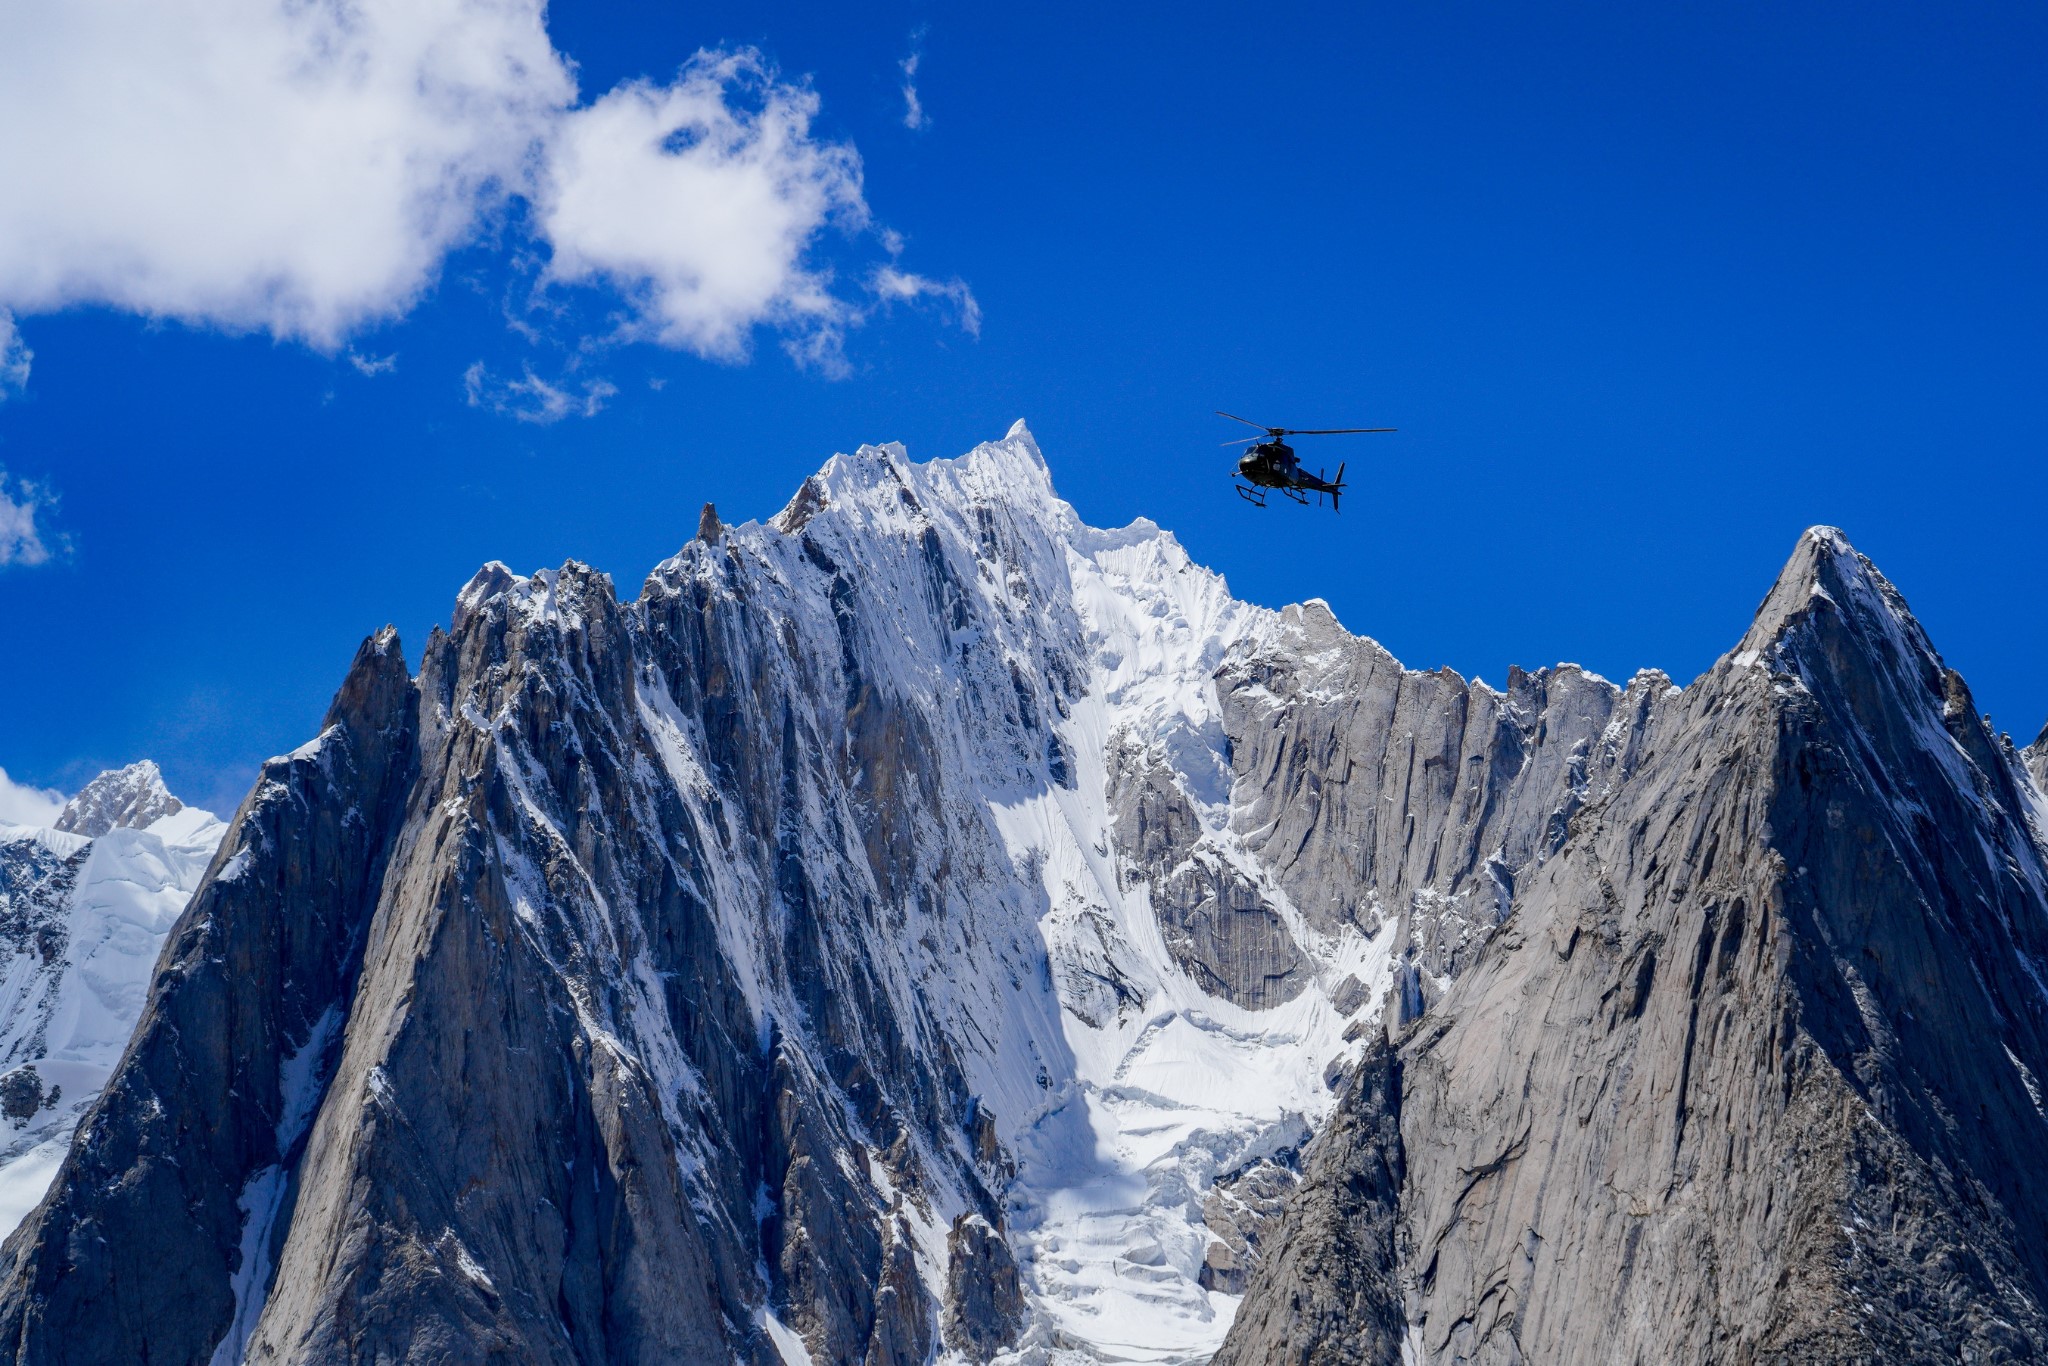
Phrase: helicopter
[1272,464]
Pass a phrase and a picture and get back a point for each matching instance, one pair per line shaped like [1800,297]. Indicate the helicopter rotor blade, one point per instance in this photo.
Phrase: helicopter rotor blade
[1245,420]
[1333,431]
[1242,441]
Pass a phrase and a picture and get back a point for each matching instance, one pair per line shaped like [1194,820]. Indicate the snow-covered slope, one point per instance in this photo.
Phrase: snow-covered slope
[1171,1085]
[82,918]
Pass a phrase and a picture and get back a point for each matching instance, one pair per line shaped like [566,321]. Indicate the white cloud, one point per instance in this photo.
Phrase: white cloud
[696,200]
[22,541]
[21,804]
[14,357]
[531,398]
[913,107]
[303,168]
[291,166]
[891,285]
[371,366]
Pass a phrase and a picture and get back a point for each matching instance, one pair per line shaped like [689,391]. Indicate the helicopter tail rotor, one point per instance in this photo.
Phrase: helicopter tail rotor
[1337,489]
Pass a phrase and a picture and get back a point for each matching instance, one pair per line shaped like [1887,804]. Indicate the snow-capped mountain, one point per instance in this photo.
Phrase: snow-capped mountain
[84,908]
[919,927]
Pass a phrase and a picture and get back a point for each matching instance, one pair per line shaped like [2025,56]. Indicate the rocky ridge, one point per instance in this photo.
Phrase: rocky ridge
[1751,1072]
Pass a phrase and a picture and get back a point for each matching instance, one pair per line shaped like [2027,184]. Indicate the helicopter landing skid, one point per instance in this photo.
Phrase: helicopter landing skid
[1256,497]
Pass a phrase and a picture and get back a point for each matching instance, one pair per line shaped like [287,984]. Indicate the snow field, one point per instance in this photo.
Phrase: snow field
[72,1018]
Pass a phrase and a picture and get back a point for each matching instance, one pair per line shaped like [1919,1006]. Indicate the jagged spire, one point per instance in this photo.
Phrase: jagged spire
[1822,565]
[1839,625]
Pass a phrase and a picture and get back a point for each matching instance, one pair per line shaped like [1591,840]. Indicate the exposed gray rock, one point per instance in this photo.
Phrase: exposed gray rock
[22,1094]
[709,529]
[1218,925]
[1748,1074]
[36,883]
[611,936]
[1372,792]
[1243,1209]
[984,1301]
[2036,759]
[119,799]
[991,1160]
[1349,995]
[650,980]
[904,1310]
[807,502]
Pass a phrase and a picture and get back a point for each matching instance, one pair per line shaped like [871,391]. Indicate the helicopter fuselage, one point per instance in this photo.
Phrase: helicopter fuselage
[1271,465]
[1274,465]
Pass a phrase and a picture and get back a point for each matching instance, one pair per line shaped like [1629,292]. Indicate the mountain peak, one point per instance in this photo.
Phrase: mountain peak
[121,798]
[1020,439]
[880,486]
[1018,448]
[1822,554]
[1825,573]
[1836,631]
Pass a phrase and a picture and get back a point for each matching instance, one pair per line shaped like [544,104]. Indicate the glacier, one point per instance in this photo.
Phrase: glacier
[1170,1085]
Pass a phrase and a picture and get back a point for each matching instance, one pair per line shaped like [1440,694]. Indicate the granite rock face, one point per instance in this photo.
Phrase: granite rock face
[1243,1210]
[1217,922]
[1750,1071]
[984,1300]
[37,881]
[1330,1291]
[1375,793]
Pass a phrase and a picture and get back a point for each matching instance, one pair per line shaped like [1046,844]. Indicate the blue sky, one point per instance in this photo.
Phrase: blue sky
[1648,289]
